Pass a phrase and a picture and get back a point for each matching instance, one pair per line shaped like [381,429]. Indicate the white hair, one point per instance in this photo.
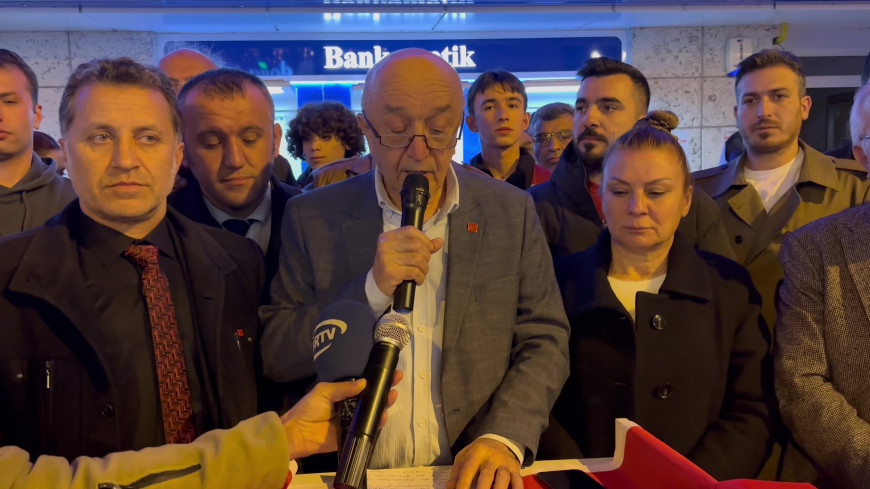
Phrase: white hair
[859,121]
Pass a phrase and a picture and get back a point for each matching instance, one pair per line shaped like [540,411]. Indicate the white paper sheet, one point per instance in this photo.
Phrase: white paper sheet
[413,478]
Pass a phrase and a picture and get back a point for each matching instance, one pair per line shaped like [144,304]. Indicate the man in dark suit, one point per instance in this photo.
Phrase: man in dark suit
[488,354]
[125,324]
[230,140]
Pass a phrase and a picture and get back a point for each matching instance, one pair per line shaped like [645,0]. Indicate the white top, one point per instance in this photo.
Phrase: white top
[771,185]
[416,432]
[626,290]
[260,219]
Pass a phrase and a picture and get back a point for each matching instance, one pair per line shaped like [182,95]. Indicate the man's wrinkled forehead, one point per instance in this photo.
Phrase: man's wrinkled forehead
[415,74]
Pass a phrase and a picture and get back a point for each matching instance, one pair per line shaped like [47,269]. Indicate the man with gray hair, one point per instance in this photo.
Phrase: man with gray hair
[488,353]
[551,129]
[859,124]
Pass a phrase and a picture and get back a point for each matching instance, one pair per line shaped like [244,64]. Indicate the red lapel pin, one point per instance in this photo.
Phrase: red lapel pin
[471,227]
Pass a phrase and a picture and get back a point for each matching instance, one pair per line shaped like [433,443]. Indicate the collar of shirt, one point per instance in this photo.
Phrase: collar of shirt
[522,174]
[108,244]
[392,213]
[259,214]
[782,170]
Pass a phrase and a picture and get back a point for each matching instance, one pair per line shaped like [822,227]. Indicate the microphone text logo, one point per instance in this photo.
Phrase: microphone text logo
[325,332]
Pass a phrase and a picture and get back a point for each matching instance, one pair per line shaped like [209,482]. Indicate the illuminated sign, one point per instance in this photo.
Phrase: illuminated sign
[338,59]
[289,58]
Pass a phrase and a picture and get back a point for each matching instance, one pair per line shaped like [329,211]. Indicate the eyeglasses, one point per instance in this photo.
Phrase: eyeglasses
[433,141]
[545,137]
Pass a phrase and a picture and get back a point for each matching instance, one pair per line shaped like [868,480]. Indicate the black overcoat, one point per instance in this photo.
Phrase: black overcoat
[693,370]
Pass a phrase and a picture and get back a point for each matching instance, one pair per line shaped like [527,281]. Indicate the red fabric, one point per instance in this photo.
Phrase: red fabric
[172,380]
[540,175]
[651,464]
[595,193]
[750,484]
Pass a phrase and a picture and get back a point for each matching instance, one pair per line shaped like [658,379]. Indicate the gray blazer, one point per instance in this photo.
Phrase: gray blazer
[504,356]
[822,350]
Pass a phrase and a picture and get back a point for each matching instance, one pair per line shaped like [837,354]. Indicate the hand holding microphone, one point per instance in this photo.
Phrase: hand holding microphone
[342,343]
[402,255]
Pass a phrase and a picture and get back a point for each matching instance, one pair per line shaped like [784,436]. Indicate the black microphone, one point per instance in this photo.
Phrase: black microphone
[342,342]
[393,332]
[415,197]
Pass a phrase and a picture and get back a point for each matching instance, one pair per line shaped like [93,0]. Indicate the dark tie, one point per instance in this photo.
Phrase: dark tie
[174,389]
[238,226]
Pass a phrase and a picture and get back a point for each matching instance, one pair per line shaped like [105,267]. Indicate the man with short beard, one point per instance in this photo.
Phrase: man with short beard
[779,183]
[613,95]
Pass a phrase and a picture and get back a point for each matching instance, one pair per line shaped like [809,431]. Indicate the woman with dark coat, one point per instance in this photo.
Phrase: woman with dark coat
[665,335]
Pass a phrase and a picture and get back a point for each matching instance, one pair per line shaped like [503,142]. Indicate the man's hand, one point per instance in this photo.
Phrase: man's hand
[402,254]
[490,462]
[310,426]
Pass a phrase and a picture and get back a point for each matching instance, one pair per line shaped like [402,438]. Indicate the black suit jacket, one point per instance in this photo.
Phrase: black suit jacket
[49,329]
[188,200]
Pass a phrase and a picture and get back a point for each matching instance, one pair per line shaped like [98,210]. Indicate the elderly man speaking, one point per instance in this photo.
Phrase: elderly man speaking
[488,352]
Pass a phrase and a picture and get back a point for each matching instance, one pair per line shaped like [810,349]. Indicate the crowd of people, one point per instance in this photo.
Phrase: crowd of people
[158,293]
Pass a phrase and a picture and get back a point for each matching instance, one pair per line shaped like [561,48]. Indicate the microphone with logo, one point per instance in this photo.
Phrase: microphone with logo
[415,198]
[392,333]
[343,339]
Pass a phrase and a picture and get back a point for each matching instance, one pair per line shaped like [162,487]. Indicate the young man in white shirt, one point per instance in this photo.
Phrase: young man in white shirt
[779,183]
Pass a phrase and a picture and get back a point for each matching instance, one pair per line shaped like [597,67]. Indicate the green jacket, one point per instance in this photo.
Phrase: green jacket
[253,454]
[825,186]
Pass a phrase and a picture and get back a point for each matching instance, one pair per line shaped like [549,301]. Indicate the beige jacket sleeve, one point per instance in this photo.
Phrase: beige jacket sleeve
[253,454]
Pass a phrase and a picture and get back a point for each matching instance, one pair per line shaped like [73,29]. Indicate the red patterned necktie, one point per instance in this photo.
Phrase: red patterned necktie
[175,403]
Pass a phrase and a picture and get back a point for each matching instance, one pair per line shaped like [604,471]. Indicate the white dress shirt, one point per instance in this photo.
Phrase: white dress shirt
[416,432]
[260,219]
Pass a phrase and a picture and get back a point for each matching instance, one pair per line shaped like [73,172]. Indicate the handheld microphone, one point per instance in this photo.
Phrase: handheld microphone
[415,198]
[393,332]
[342,342]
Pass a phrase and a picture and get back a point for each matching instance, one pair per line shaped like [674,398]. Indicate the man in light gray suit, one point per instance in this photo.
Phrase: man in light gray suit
[822,351]
[488,353]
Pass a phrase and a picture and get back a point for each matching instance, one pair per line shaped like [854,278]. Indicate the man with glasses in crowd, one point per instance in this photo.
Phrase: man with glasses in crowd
[488,352]
[551,130]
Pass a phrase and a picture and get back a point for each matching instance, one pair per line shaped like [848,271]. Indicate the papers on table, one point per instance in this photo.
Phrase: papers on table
[412,478]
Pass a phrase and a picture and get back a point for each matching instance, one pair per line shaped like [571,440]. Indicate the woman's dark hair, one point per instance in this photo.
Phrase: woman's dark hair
[325,119]
[653,131]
